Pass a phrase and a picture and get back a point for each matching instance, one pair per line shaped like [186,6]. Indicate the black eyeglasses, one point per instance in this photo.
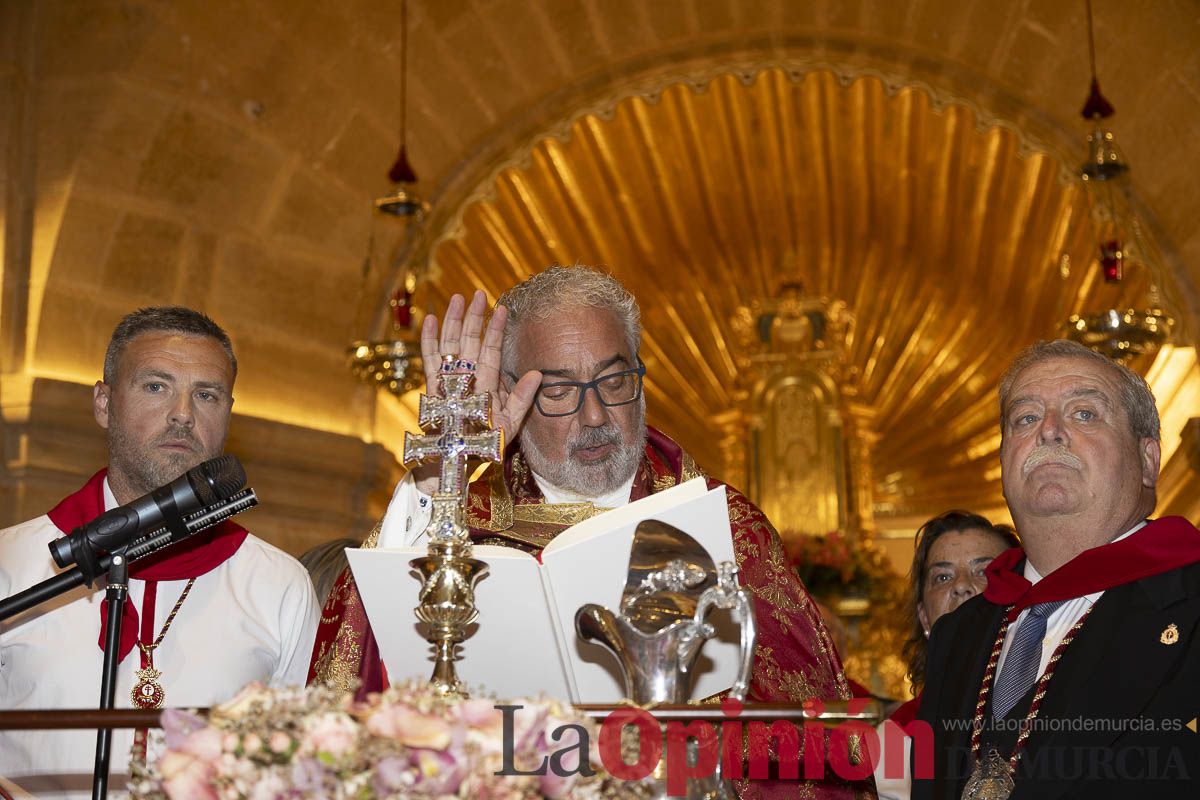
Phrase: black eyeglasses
[564,398]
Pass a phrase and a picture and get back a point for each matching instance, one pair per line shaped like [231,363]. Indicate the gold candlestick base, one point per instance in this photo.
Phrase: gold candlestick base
[449,575]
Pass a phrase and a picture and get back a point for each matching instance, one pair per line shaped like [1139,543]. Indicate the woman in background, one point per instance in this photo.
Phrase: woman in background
[951,552]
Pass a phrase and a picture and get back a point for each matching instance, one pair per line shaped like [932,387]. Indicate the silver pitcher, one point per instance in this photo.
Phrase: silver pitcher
[657,637]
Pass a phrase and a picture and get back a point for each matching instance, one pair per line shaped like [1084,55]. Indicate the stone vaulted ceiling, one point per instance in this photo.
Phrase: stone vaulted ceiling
[904,157]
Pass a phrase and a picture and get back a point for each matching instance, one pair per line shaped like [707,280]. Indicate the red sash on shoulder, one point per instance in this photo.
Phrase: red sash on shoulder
[192,558]
[1163,545]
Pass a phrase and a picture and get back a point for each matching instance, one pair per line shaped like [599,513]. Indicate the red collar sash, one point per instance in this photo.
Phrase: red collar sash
[200,554]
[1163,545]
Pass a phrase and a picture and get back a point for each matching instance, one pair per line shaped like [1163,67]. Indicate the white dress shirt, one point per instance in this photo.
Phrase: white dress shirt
[253,618]
[1058,623]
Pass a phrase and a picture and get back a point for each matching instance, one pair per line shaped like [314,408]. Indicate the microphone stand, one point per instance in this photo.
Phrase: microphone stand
[76,576]
[117,594]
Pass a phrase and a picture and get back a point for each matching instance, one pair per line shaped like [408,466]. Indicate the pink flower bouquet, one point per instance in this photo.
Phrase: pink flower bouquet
[268,744]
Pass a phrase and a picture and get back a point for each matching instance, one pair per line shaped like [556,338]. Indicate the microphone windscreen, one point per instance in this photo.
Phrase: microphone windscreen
[217,479]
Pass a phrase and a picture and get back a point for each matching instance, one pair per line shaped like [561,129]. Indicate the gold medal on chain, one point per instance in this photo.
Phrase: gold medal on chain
[991,779]
[148,692]
[993,775]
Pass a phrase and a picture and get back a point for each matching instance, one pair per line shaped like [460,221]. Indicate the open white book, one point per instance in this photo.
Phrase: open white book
[524,642]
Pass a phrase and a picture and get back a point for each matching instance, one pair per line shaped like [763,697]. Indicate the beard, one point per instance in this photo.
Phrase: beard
[594,478]
[145,467]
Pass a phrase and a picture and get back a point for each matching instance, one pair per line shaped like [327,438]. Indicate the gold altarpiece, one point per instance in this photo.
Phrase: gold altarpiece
[795,452]
[798,441]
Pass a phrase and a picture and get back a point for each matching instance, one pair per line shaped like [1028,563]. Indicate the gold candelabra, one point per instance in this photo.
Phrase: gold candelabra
[449,573]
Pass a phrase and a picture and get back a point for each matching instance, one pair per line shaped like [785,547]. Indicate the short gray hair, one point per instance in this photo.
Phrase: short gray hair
[558,287]
[163,319]
[1136,397]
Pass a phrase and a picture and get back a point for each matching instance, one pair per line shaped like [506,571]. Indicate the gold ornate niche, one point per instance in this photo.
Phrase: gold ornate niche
[805,452]
[939,226]
[792,376]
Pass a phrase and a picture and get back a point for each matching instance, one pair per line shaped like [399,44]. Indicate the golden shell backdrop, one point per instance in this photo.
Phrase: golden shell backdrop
[942,229]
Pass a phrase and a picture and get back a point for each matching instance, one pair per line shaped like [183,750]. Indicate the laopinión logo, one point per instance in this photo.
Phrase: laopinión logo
[694,749]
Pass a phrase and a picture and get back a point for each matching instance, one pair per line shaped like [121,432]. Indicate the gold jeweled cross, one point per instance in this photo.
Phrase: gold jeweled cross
[449,573]
[452,444]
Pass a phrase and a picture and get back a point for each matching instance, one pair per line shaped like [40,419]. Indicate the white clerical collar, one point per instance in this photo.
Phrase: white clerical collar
[614,499]
[1033,576]
[110,499]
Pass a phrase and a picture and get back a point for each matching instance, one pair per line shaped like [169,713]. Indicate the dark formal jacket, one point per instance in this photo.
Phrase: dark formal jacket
[1115,718]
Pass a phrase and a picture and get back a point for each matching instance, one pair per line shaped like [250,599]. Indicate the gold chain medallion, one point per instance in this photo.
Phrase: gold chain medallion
[148,692]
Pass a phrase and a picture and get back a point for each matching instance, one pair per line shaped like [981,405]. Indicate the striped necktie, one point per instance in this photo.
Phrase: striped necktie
[1024,656]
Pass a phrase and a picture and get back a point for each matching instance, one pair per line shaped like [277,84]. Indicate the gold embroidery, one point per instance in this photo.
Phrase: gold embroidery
[662,482]
[555,513]
[791,683]
[536,524]
[372,540]
[477,511]
[338,662]
[781,600]
[497,516]
[745,548]
[690,470]
[335,665]
[772,574]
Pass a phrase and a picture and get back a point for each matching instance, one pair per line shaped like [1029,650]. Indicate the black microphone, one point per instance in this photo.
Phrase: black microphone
[214,481]
[146,546]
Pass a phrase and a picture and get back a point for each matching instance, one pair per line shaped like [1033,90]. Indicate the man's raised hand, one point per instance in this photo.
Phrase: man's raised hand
[460,336]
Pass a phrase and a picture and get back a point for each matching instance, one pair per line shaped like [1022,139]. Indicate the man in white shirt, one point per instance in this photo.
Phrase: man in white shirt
[1076,671]
[208,615]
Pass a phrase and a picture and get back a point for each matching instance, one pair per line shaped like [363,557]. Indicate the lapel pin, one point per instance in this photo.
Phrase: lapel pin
[1170,634]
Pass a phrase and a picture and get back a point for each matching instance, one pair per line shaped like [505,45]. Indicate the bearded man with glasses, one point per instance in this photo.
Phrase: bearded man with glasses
[560,352]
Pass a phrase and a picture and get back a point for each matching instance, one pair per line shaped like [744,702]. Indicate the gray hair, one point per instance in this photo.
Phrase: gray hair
[163,319]
[1136,397]
[558,287]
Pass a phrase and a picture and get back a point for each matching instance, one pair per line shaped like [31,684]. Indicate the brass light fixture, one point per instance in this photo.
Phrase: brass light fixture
[395,363]
[403,200]
[1121,334]
[1118,334]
